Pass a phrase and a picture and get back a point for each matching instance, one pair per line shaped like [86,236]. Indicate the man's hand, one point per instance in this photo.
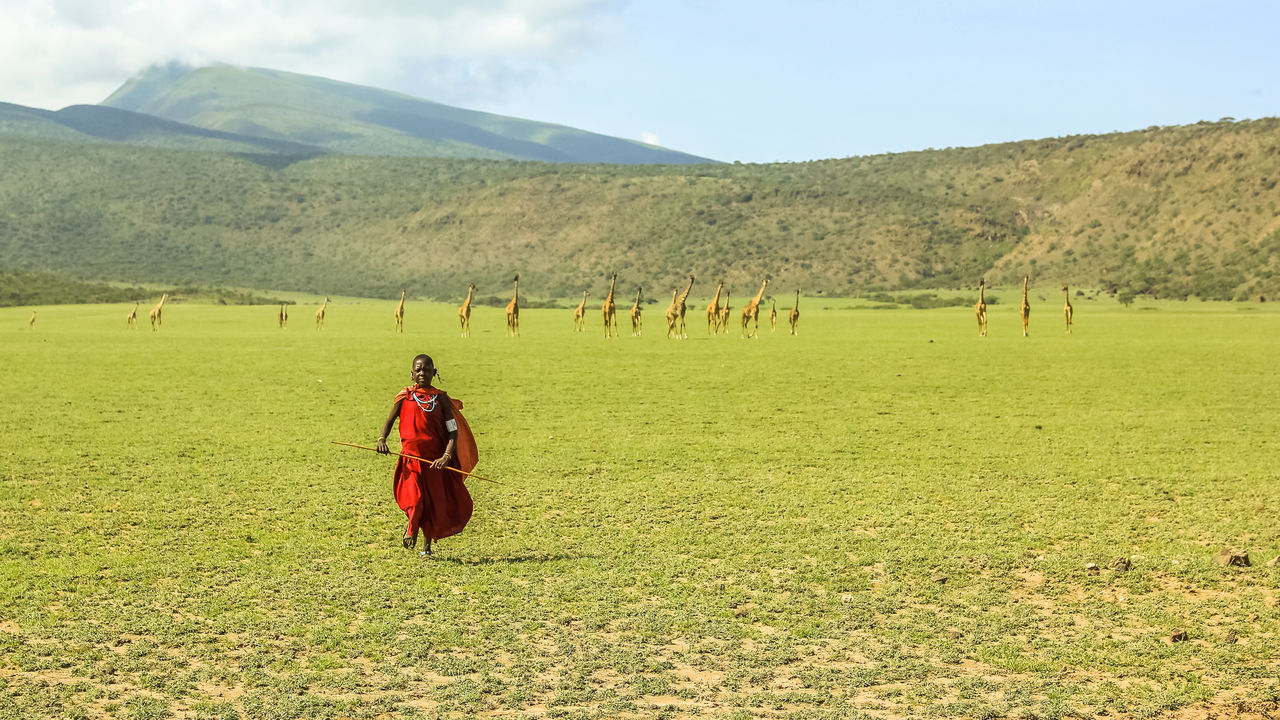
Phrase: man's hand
[441,462]
[382,446]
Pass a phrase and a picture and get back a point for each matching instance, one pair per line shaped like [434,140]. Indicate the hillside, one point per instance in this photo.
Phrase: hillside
[354,119]
[1173,211]
[93,123]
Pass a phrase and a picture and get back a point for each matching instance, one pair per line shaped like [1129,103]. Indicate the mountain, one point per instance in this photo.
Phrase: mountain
[94,123]
[1169,211]
[358,120]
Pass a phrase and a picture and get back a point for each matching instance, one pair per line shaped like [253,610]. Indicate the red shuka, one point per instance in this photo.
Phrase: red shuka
[435,501]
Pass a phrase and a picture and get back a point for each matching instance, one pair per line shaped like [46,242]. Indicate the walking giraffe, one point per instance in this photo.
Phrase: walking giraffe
[513,311]
[794,316]
[464,314]
[400,314]
[157,313]
[713,311]
[981,308]
[320,315]
[681,307]
[580,314]
[773,314]
[1067,309]
[610,311]
[673,313]
[637,323]
[132,318]
[1024,310]
[283,317]
[32,322]
[751,313]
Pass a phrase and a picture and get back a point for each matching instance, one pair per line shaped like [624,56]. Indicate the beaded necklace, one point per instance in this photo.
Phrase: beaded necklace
[426,407]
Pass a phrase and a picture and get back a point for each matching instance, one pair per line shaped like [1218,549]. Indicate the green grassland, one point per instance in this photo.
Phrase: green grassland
[883,516]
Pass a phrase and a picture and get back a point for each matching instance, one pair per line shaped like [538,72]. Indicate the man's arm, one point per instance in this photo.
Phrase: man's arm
[386,427]
[451,425]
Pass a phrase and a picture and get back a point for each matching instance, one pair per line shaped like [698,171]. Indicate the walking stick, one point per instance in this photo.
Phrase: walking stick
[415,457]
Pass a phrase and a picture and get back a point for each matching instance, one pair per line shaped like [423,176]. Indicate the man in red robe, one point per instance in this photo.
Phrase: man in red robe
[433,497]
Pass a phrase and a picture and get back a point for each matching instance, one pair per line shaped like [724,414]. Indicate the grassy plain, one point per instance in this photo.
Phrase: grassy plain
[883,516]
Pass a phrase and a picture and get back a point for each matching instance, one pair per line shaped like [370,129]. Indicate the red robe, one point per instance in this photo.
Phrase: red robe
[435,501]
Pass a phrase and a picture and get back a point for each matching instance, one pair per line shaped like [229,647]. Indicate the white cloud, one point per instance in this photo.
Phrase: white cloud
[650,139]
[55,53]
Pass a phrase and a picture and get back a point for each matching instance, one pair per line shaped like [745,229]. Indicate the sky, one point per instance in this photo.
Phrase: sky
[747,80]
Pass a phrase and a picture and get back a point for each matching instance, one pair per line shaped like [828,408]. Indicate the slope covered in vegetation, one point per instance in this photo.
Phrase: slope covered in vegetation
[1172,211]
[359,120]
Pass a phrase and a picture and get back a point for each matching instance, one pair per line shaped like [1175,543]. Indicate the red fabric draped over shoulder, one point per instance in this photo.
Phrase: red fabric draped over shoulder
[435,501]
[467,453]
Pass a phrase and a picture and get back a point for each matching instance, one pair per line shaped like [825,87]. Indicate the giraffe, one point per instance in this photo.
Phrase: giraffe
[637,324]
[157,316]
[673,313]
[610,311]
[580,314]
[981,308]
[1025,309]
[794,316]
[132,318]
[684,333]
[773,314]
[464,314]
[751,313]
[283,317]
[32,322]
[320,315]
[724,312]
[713,311]
[1067,309]
[513,311]
[400,314]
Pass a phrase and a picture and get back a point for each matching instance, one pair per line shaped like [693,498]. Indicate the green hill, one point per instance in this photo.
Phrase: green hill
[94,123]
[1174,212]
[359,120]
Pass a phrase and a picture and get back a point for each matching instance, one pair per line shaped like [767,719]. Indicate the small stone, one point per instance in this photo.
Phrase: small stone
[1179,636]
[940,579]
[955,634]
[1232,558]
[1230,638]
[1092,568]
[1120,564]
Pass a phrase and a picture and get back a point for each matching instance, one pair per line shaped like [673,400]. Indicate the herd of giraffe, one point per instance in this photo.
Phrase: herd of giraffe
[1024,308]
[717,315]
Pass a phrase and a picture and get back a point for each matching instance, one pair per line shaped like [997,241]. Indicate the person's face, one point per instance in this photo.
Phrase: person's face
[422,373]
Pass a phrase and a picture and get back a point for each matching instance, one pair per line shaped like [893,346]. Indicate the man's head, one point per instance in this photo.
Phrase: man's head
[422,371]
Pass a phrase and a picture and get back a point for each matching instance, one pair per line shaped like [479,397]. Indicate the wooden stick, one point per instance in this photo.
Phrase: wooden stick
[415,457]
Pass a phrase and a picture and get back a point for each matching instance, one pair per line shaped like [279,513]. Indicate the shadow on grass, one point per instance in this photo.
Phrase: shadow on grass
[512,559]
